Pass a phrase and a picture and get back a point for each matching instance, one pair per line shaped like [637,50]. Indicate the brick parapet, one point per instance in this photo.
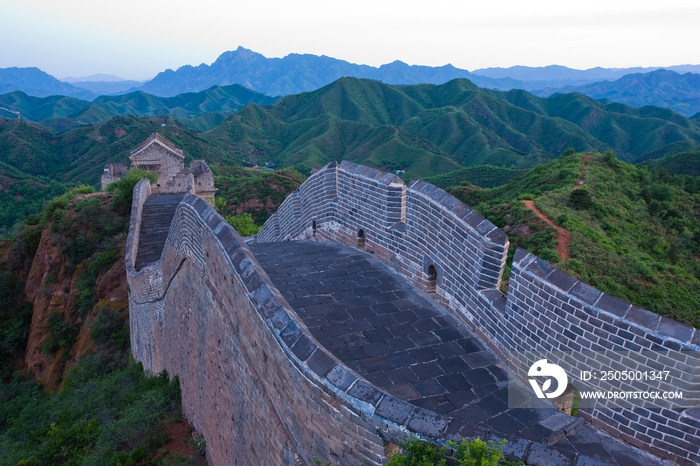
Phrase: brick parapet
[141,191]
[548,311]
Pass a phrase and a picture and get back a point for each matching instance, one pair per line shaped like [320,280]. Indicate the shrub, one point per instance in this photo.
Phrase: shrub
[108,412]
[108,329]
[580,199]
[61,334]
[244,224]
[549,255]
[123,189]
[610,158]
[466,453]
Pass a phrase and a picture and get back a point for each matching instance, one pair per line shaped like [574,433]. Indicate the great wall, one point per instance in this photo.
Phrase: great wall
[366,311]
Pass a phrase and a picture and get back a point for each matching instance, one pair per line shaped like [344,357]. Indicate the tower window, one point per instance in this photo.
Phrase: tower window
[432,279]
[361,239]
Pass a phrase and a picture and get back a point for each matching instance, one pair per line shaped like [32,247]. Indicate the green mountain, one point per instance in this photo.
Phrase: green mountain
[661,88]
[635,233]
[683,163]
[201,110]
[425,130]
[428,129]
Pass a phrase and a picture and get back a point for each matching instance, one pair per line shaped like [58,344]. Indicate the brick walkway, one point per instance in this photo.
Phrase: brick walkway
[403,342]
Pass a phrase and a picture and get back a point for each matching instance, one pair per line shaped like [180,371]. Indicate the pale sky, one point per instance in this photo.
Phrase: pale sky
[137,39]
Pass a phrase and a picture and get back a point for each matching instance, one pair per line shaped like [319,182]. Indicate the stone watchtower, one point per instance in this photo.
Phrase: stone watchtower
[157,154]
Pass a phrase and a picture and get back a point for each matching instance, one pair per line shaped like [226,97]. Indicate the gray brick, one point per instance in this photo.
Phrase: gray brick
[427,423]
[675,330]
[613,305]
[561,280]
[365,392]
[540,268]
[643,317]
[393,409]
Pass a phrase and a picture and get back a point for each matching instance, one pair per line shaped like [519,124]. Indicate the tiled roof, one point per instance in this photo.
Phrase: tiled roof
[156,138]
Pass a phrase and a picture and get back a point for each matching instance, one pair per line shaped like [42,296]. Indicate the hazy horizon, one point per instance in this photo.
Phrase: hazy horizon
[136,40]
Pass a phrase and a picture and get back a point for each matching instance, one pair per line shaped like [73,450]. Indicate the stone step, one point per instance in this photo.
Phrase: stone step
[156,217]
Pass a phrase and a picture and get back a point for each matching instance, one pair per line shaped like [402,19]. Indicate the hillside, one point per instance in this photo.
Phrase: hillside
[428,130]
[69,391]
[661,88]
[634,233]
[37,164]
[79,155]
[201,110]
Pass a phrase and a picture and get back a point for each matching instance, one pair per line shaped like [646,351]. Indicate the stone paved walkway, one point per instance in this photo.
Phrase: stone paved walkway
[403,342]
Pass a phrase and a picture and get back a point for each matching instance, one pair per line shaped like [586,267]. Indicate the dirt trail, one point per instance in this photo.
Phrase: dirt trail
[563,236]
[582,178]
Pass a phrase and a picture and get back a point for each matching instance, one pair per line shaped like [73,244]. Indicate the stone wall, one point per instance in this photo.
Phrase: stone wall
[112,172]
[197,179]
[436,241]
[550,311]
[254,381]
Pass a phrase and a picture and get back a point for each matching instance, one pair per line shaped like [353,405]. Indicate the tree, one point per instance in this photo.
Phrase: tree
[580,199]
[244,224]
[123,189]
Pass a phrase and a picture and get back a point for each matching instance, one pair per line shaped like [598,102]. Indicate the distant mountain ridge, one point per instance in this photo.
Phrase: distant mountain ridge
[34,82]
[94,78]
[292,74]
[661,88]
[554,73]
[297,73]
